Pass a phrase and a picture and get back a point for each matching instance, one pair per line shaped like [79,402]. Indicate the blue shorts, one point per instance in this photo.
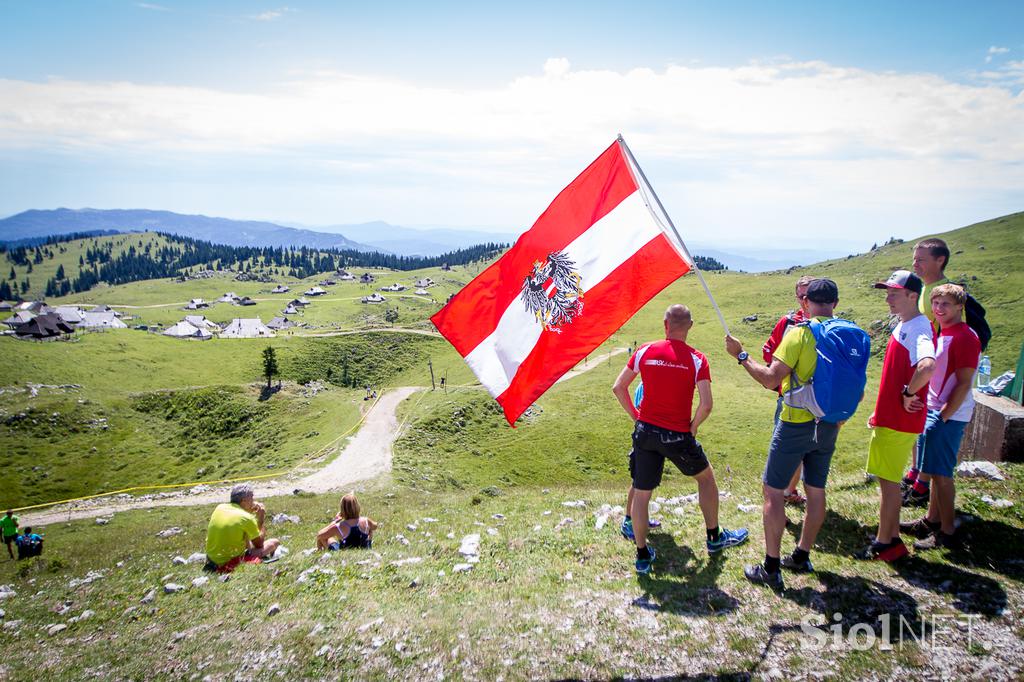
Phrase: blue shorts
[939,445]
[806,443]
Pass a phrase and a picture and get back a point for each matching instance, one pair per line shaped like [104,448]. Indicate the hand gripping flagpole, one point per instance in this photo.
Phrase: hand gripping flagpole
[674,237]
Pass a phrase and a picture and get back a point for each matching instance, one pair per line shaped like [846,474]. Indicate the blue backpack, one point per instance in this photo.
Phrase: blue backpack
[835,390]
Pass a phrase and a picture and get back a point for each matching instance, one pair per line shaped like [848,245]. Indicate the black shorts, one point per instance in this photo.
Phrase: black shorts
[10,538]
[652,445]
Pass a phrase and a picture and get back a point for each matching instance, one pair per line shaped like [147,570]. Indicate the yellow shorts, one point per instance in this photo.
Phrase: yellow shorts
[889,452]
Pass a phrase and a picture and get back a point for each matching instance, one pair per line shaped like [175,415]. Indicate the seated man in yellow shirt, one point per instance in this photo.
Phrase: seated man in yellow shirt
[236,532]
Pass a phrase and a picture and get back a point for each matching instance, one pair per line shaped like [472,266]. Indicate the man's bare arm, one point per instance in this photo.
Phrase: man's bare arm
[621,390]
[704,409]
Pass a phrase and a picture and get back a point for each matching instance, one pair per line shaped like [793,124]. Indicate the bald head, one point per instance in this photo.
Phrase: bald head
[677,320]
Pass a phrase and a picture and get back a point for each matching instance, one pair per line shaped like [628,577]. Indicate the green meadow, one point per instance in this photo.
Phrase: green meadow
[553,595]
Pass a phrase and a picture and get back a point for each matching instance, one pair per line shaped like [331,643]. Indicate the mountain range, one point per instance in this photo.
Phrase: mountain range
[35,225]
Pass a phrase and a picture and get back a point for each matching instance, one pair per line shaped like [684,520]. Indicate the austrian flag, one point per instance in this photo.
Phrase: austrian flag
[592,259]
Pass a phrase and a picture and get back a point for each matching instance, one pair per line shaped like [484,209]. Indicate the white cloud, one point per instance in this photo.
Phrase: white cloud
[781,143]
[994,51]
[271,15]
[149,5]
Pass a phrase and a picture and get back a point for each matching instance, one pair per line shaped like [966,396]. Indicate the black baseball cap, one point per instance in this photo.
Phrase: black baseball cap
[823,291]
[902,279]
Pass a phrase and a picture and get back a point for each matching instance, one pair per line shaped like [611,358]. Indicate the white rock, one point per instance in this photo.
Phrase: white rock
[747,508]
[366,626]
[200,581]
[402,539]
[179,561]
[150,596]
[196,558]
[462,568]
[537,528]
[90,577]
[576,504]
[546,513]
[308,574]
[428,520]
[307,552]
[171,588]
[980,469]
[497,516]
[407,562]
[411,526]
[564,523]
[169,532]
[679,511]
[274,610]
[285,518]
[100,521]
[323,651]
[167,578]
[54,629]
[470,545]
[1000,503]
[492,531]
[601,520]
[12,625]
[317,629]
[655,507]
[377,642]
[2,613]
[7,592]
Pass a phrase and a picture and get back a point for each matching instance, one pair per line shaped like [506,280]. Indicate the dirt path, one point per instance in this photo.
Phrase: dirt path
[367,455]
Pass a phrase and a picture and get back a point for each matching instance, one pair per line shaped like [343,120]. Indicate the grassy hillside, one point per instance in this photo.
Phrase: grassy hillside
[553,595]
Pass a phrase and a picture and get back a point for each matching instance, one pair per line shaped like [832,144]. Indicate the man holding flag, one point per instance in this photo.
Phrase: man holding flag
[666,428]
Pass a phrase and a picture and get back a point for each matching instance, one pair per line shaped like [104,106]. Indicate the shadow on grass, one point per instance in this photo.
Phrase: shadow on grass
[838,534]
[684,584]
[973,593]
[848,601]
[267,392]
[993,545]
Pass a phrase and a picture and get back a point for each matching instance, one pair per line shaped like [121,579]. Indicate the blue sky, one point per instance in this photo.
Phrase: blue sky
[755,122]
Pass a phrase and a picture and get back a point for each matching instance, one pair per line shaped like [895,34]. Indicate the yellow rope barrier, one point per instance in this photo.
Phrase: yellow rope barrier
[218,481]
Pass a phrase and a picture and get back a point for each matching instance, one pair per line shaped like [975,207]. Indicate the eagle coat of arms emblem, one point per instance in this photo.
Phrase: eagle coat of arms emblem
[553,292]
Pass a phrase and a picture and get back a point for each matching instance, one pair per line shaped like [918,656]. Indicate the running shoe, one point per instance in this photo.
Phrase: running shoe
[879,552]
[937,540]
[643,566]
[794,498]
[728,538]
[920,529]
[791,564]
[757,575]
[912,498]
[626,529]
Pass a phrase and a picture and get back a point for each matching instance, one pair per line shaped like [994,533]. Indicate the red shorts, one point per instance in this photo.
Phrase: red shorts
[237,561]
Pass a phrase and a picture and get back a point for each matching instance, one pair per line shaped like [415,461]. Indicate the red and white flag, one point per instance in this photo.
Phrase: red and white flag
[592,260]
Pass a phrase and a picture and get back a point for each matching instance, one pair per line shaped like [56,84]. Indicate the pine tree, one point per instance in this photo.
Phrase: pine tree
[269,364]
[13,276]
[60,272]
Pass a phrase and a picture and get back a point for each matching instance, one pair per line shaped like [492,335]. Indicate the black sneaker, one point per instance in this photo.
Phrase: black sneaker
[920,529]
[937,540]
[912,498]
[757,575]
[791,564]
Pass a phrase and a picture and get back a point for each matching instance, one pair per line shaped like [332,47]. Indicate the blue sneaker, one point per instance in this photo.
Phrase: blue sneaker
[728,538]
[643,566]
[627,529]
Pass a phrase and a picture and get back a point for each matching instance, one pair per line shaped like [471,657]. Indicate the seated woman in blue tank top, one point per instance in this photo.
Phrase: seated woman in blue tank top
[348,529]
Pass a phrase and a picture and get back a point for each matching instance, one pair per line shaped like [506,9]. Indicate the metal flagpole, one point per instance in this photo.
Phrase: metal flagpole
[678,238]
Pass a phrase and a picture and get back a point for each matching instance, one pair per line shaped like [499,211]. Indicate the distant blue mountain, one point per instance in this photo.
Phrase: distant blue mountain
[408,241]
[33,224]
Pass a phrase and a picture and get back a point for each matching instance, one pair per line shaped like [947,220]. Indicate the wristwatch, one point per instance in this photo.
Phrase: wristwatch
[742,357]
[905,393]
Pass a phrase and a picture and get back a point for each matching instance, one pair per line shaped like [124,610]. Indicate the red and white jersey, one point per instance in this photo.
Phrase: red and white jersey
[670,370]
[911,342]
[955,348]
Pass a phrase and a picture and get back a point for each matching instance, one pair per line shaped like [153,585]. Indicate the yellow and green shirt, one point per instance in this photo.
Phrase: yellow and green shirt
[231,529]
[798,351]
